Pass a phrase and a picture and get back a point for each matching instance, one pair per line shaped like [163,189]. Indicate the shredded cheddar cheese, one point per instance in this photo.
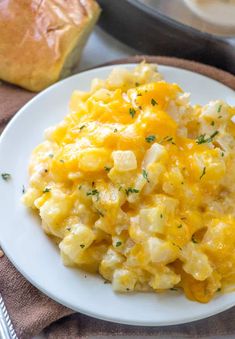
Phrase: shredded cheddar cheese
[138,185]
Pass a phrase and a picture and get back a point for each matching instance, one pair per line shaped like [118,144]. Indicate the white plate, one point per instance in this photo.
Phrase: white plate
[34,254]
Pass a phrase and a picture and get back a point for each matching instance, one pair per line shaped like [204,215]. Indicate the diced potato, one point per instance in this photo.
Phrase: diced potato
[164,279]
[152,220]
[156,152]
[124,160]
[124,280]
[211,110]
[209,166]
[138,185]
[79,239]
[172,180]
[138,256]
[111,261]
[55,209]
[161,251]
[93,159]
[89,259]
[135,231]
[155,171]
[170,204]
[195,261]
[30,197]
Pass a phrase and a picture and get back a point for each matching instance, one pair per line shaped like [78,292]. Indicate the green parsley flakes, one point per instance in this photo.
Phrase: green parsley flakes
[153,102]
[219,108]
[82,245]
[202,138]
[180,226]
[6,176]
[150,138]
[93,192]
[132,112]
[131,190]
[145,175]
[118,243]
[46,190]
[81,128]
[203,172]
[107,169]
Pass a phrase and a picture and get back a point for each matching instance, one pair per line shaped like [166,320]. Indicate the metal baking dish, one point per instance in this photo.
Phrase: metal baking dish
[169,27]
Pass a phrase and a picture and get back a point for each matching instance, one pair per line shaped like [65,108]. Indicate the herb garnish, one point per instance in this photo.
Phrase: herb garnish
[219,108]
[50,155]
[82,245]
[83,126]
[203,172]
[131,190]
[153,102]
[150,138]
[179,226]
[145,175]
[173,289]
[212,123]
[93,192]
[107,169]
[115,130]
[118,243]
[46,190]
[202,140]
[23,189]
[6,176]
[132,112]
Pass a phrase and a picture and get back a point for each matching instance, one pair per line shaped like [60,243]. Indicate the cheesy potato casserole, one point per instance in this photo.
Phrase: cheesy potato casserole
[138,185]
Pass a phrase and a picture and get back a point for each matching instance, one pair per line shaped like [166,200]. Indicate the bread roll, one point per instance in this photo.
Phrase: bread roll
[41,40]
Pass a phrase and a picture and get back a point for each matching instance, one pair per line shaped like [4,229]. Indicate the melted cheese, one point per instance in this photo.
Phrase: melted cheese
[138,185]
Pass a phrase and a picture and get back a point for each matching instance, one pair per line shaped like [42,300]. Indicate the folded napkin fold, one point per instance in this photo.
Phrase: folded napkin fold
[31,311]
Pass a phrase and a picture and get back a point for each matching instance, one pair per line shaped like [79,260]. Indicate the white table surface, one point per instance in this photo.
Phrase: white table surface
[102,48]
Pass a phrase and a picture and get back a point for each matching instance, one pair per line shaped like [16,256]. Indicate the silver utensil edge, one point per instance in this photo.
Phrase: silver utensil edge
[6,328]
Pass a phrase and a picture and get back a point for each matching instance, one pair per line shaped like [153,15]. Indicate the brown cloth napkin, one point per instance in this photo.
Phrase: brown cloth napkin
[31,311]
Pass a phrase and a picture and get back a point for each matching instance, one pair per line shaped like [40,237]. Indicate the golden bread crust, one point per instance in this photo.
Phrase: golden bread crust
[37,37]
